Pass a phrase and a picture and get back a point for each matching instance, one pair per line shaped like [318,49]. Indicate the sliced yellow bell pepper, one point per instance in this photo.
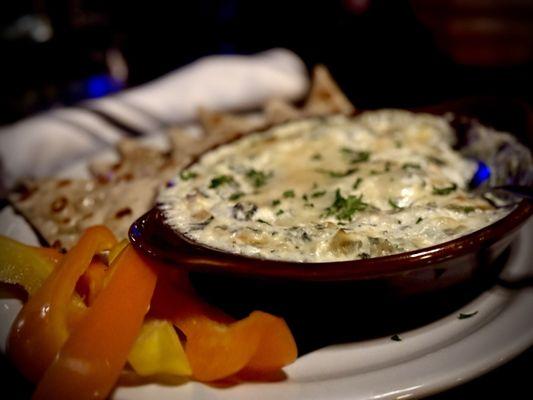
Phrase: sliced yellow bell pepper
[158,351]
[23,265]
[117,250]
[42,326]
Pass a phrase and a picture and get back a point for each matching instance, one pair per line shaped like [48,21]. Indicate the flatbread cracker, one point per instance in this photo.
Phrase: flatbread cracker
[57,207]
[325,97]
[137,161]
[220,127]
[61,209]
[278,111]
[185,146]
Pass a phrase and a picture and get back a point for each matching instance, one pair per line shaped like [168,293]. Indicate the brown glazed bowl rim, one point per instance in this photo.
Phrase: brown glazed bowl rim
[152,237]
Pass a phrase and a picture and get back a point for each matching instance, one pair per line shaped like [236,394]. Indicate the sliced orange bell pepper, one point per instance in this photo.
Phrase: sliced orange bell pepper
[23,265]
[277,347]
[216,346]
[216,351]
[116,250]
[96,276]
[94,354]
[92,281]
[41,327]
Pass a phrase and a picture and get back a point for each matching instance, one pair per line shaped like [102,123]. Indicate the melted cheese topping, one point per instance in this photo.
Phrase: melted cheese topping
[330,189]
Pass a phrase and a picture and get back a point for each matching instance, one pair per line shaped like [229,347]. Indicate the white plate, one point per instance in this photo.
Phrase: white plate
[430,359]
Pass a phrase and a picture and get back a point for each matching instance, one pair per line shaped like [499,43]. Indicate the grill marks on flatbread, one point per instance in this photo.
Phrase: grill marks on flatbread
[60,209]
[121,191]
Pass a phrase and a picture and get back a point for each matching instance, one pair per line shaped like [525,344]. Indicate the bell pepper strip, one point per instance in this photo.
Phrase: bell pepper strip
[216,346]
[216,351]
[76,311]
[23,265]
[158,351]
[116,250]
[42,325]
[92,281]
[90,362]
[277,347]
[53,255]
[96,276]
[176,300]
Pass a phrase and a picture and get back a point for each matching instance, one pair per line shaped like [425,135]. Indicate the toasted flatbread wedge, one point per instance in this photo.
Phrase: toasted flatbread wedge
[123,203]
[57,208]
[137,161]
[325,97]
[278,111]
[220,127]
[61,209]
[185,146]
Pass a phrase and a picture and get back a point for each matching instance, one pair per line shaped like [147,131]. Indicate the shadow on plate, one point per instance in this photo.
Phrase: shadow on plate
[321,314]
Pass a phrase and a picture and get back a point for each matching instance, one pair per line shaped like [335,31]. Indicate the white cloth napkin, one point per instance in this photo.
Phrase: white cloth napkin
[44,144]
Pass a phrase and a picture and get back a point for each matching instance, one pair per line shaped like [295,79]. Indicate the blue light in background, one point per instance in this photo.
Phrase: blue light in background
[481,175]
[100,85]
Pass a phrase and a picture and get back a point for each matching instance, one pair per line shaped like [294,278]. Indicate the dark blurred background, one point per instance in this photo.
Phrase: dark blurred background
[382,52]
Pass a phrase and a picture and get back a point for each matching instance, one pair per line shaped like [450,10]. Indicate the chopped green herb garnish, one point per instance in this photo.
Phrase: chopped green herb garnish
[305,198]
[316,156]
[419,220]
[276,202]
[388,164]
[407,166]
[394,205]
[244,211]
[257,178]
[220,180]
[279,212]
[364,256]
[357,183]
[445,190]
[236,196]
[318,194]
[343,208]
[186,175]
[396,338]
[198,226]
[464,209]
[288,194]
[337,174]
[358,156]
[306,237]
[467,315]
[436,160]
[263,221]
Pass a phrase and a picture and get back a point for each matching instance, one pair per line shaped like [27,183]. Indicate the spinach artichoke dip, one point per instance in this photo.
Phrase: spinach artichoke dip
[330,189]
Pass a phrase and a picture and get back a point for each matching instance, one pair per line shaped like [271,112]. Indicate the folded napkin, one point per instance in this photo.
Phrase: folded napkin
[44,144]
